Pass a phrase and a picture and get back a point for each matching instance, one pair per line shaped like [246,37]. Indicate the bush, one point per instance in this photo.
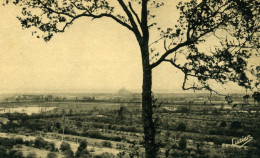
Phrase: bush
[8,143]
[52,155]
[183,143]
[106,144]
[181,127]
[27,143]
[235,125]
[65,146]
[105,155]
[3,152]
[83,154]
[15,154]
[223,124]
[50,146]
[68,153]
[39,142]
[19,140]
[82,147]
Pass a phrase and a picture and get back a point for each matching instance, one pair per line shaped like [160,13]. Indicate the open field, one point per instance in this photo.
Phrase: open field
[27,110]
[116,128]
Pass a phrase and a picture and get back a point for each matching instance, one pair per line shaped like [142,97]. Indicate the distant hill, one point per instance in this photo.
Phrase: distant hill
[123,91]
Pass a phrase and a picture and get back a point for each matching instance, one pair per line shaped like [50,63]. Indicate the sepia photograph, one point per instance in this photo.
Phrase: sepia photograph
[129,79]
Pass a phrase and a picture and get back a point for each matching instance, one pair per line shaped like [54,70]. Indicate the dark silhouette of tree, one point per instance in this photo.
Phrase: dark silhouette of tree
[223,124]
[82,147]
[39,142]
[181,127]
[79,124]
[3,152]
[52,155]
[235,125]
[232,23]
[68,153]
[182,143]
[256,96]
[65,146]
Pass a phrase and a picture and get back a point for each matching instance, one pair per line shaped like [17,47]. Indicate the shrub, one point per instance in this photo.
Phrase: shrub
[19,140]
[15,154]
[50,146]
[105,155]
[223,124]
[27,143]
[84,153]
[52,155]
[106,144]
[82,147]
[235,125]
[181,127]
[68,153]
[65,146]
[3,152]
[183,143]
[39,142]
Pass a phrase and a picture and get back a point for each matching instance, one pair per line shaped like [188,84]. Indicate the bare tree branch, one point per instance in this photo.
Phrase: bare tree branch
[131,19]
[87,13]
[135,14]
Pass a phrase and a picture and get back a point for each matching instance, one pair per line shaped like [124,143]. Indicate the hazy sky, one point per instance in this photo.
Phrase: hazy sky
[90,56]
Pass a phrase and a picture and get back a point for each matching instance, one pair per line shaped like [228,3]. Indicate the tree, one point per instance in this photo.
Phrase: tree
[231,24]
[79,124]
[3,152]
[65,146]
[50,146]
[31,155]
[181,127]
[223,124]
[52,155]
[68,153]
[84,153]
[235,125]
[15,154]
[39,142]
[81,148]
[182,143]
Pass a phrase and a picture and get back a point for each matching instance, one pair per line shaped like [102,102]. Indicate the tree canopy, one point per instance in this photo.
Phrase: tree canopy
[233,27]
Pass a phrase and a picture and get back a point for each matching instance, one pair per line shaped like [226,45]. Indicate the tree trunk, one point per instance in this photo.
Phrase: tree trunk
[147,110]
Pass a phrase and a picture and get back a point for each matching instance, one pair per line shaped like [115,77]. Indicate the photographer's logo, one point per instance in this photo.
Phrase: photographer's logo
[242,141]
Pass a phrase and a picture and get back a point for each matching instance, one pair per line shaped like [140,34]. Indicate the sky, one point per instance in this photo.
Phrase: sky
[91,56]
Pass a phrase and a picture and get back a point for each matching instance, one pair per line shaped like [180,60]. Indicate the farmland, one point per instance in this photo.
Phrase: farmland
[111,125]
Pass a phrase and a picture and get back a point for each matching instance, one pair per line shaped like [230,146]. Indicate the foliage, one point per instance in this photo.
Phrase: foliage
[106,144]
[15,154]
[68,153]
[182,143]
[52,155]
[121,154]
[39,142]
[82,149]
[256,96]
[105,155]
[223,124]
[233,24]
[84,153]
[181,127]
[79,124]
[64,146]
[235,125]
[3,152]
